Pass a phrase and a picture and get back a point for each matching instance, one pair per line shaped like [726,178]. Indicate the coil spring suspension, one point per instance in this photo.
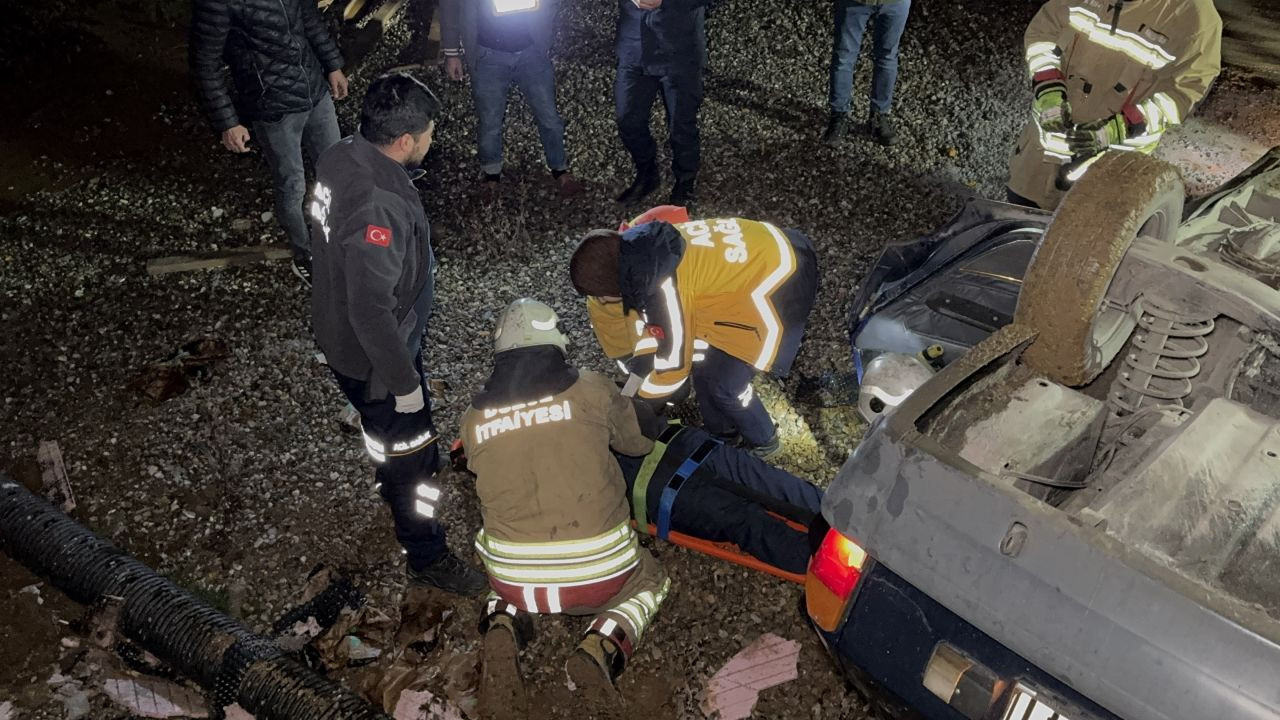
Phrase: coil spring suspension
[1161,359]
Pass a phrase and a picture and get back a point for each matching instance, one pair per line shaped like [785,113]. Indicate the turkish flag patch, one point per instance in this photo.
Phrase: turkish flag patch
[379,236]
[655,331]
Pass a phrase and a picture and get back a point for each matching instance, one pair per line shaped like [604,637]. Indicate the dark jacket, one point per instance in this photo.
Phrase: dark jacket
[669,39]
[371,246]
[279,52]
[461,24]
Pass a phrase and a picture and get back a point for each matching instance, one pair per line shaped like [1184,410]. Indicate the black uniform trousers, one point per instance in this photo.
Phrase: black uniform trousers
[727,498]
[634,91]
[405,449]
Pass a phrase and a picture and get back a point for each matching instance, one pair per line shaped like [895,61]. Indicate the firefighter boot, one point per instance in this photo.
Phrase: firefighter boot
[451,574]
[502,691]
[592,668]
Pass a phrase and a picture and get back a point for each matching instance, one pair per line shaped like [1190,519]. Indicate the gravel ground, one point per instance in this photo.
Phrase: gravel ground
[240,486]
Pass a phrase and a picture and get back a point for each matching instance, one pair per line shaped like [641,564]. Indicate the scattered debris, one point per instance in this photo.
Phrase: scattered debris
[423,705]
[33,590]
[734,690]
[172,376]
[154,698]
[235,712]
[56,484]
[231,257]
[266,216]
[6,710]
[241,224]
[73,696]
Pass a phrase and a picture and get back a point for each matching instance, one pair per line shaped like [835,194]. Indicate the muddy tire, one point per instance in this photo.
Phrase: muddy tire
[1122,197]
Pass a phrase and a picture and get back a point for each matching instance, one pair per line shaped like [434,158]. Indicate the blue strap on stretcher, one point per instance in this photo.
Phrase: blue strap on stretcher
[682,473]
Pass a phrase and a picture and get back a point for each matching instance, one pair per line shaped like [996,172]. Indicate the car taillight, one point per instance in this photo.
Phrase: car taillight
[833,575]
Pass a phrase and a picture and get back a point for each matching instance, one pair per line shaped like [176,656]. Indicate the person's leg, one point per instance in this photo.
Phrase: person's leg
[886,34]
[491,74]
[405,450]
[759,477]
[626,617]
[322,130]
[850,22]
[729,392]
[536,78]
[705,511]
[633,94]
[504,629]
[281,143]
[682,95]
[713,420]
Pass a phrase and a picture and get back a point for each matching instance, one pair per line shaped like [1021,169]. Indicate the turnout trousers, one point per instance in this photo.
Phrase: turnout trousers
[609,576]
[405,450]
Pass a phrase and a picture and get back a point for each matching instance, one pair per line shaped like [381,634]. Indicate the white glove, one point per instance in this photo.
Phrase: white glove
[410,403]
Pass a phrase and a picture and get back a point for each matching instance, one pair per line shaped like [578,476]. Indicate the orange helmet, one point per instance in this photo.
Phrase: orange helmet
[666,213]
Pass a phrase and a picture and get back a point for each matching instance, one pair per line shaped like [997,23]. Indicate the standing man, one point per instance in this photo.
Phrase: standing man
[285,74]
[887,19]
[556,536]
[505,42]
[374,286]
[662,48]
[1108,75]
[719,299]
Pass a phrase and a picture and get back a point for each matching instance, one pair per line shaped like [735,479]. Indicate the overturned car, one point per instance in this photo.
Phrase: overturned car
[1079,515]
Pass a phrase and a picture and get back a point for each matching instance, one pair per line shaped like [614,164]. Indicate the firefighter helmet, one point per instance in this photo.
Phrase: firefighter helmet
[525,323]
[888,380]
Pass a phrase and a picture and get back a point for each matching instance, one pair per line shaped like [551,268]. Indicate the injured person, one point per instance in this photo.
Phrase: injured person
[695,484]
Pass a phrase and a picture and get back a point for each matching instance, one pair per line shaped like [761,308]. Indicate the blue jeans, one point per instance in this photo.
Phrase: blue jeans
[887,22]
[633,94]
[492,72]
[281,142]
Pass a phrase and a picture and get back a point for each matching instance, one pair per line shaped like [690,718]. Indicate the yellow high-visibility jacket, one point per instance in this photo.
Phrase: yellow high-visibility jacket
[741,286]
[1150,59]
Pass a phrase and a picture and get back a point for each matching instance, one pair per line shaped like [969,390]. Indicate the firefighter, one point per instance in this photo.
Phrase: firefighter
[374,286]
[1108,75]
[719,299]
[556,535]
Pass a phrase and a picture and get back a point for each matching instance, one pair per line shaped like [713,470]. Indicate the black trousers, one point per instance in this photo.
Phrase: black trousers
[729,500]
[405,449]
[634,92]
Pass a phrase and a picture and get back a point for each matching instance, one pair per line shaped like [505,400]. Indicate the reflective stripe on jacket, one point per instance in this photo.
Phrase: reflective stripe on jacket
[1153,61]
[724,293]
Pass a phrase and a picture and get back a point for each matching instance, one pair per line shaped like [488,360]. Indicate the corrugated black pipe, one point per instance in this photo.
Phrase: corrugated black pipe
[218,652]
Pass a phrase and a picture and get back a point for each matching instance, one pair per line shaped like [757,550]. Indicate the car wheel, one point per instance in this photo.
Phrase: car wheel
[1125,195]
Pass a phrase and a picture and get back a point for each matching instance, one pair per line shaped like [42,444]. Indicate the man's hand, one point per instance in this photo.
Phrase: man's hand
[1092,138]
[453,68]
[338,84]
[236,139]
[410,403]
[648,4]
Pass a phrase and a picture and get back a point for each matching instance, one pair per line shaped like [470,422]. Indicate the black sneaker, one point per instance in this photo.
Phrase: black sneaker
[450,574]
[882,129]
[767,450]
[837,127]
[302,268]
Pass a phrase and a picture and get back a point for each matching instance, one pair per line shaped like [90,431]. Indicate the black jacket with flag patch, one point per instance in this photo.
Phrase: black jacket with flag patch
[373,267]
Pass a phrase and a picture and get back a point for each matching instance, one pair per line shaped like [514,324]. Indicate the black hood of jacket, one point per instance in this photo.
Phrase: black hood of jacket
[650,254]
[525,374]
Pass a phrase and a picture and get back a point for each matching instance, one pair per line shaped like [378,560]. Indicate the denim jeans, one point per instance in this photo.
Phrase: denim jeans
[634,91]
[887,22]
[492,72]
[282,142]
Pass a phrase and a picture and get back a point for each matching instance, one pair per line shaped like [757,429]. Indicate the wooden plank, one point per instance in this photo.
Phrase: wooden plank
[232,257]
[56,484]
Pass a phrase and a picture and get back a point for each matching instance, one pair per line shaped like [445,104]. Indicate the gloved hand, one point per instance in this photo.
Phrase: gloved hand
[1092,138]
[1050,106]
[412,402]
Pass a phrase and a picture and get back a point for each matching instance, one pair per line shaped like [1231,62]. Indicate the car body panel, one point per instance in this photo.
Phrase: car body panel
[1132,635]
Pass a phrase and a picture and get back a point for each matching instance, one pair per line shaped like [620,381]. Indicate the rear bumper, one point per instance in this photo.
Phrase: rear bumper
[892,631]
